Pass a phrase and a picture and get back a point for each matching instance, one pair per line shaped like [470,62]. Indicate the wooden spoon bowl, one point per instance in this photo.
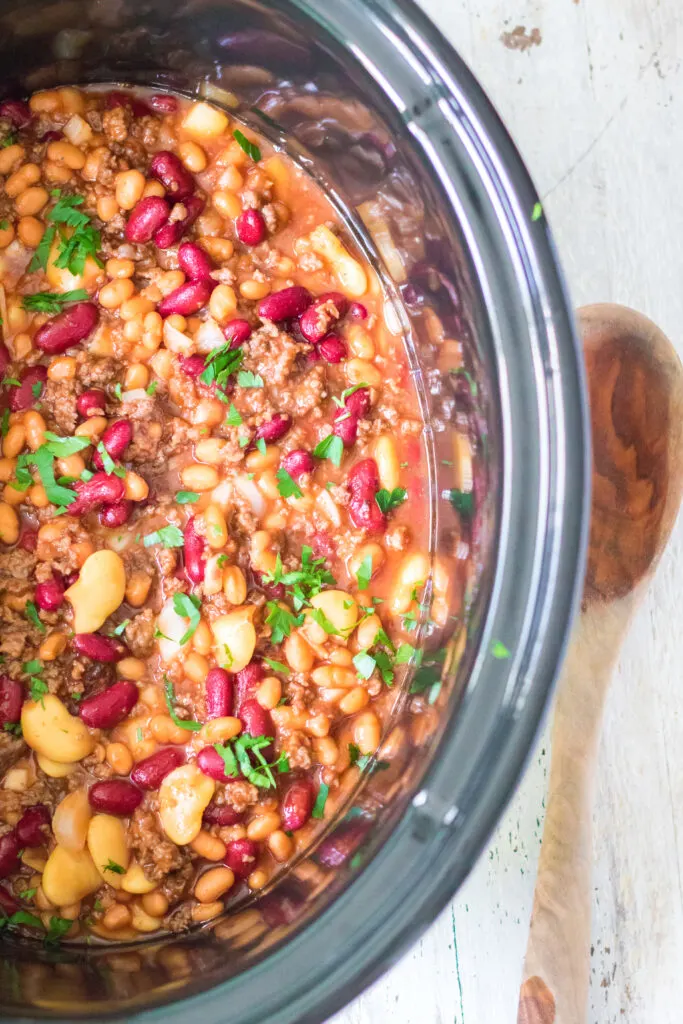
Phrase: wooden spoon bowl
[635,383]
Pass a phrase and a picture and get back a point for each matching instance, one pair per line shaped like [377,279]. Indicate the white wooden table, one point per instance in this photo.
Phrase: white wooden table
[597,112]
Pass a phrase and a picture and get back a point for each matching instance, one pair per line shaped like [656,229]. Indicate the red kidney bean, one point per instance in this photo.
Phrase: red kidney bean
[176,179]
[151,771]
[345,427]
[4,358]
[297,805]
[251,227]
[193,261]
[52,136]
[298,462]
[67,329]
[332,349]
[101,489]
[237,332]
[256,720]
[50,595]
[171,233]
[8,904]
[212,764]
[194,546]
[192,365]
[28,540]
[117,514]
[22,397]
[342,844]
[126,99]
[11,699]
[17,111]
[114,796]
[9,853]
[107,709]
[363,479]
[247,678]
[92,402]
[367,515]
[115,439]
[273,591]
[222,814]
[28,830]
[162,103]
[98,647]
[240,857]
[274,428]
[219,696]
[285,305]
[145,218]
[324,314]
[187,299]
[357,311]
[358,403]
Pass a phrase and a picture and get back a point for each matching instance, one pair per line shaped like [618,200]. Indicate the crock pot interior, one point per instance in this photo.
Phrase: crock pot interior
[358,94]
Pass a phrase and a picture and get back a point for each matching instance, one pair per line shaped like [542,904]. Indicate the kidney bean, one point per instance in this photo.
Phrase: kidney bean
[4,359]
[9,853]
[22,397]
[171,233]
[193,261]
[115,439]
[212,764]
[117,98]
[50,595]
[108,708]
[187,299]
[28,540]
[192,365]
[99,648]
[92,402]
[273,591]
[114,796]
[358,403]
[297,805]
[219,696]
[17,111]
[11,699]
[145,218]
[256,721]
[66,329]
[357,311]
[324,314]
[247,678]
[275,428]
[240,857]
[251,227]
[8,904]
[332,349]
[117,514]
[285,305]
[298,462]
[237,332]
[345,427]
[151,771]
[101,489]
[367,515]
[222,814]
[28,830]
[51,136]
[363,479]
[195,562]
[162,103]
[342,844]
[176,179]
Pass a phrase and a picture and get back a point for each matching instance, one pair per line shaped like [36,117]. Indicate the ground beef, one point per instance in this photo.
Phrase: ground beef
[140,633]
[59,398]
[98,372]
[272,353]
[239,795]
[179,919]
[156,855]
[297,746]
[179,883]
[146,446]
[116,123]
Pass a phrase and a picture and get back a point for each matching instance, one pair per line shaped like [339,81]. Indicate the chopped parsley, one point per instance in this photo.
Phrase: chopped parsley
[462,372]
[281,621]
[388,500]
[28,894]
[32,616]
[116,869]
[118,392]
[320,801]
[341,401]
[62,447]
[186,497]
[187,606]
[250,148]
[537,212]
[304,583]
[247,379]
[121,628]
[287,485]
[108,463]
[237,756]
[169,694]
[318,615]
[261,445]
[233,419]
[42,253]
[332,448]
[462,501]
[499,650]
[4,224]
[221,363]
[364,573]
[151,388]
[167,536]
[85,240]
[364,664]
[59,926]
[52,302]
[277,666]
[13,727]
[9,140]
[22,917]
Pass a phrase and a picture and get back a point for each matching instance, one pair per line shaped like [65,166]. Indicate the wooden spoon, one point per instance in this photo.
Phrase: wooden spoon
[636,396]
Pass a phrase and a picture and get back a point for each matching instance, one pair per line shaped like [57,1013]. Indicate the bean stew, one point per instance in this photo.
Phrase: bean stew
[214,530]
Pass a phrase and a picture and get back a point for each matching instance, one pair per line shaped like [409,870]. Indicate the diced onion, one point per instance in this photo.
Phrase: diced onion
[209,336]
[14,262]
[222,495]
[176,341]
[77,130]
[328,508]
[136,395]
[250,491]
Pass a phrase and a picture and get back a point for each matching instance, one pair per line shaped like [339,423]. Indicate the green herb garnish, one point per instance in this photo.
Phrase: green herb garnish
[52,302]
[537,212]
[287,486]
[250,148]
[221,364]
[116,869]
[364,573]
[167,536]
[186,497]
[169,694]
[32,616]
[388,500]
[499,650]
[277,666]
[247,379]
[332,448]
[187,606]
[233,419]
[281,621]
[320,801]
